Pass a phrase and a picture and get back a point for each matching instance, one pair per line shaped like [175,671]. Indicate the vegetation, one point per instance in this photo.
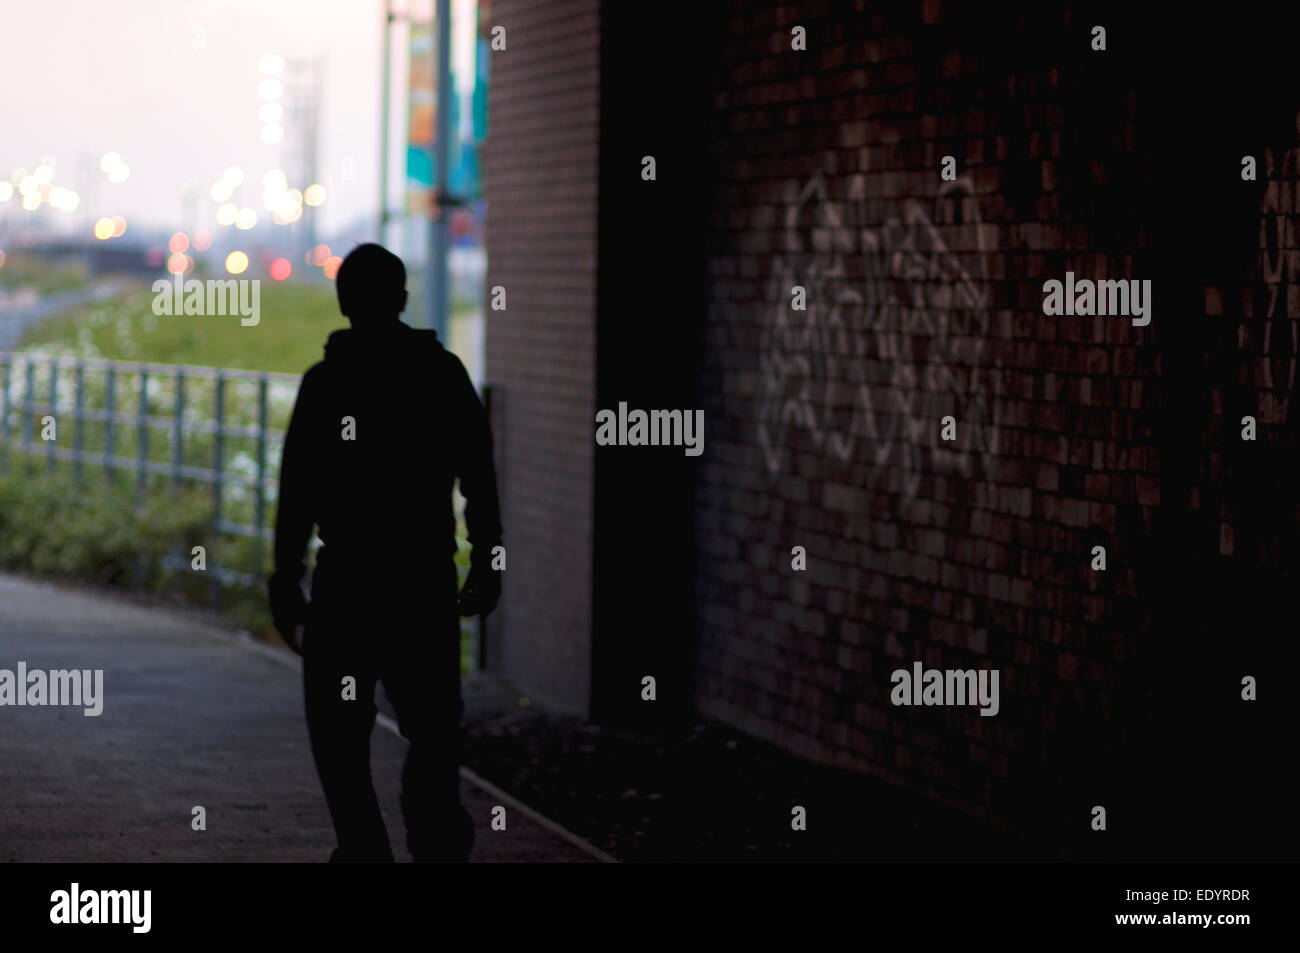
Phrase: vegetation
[25,270]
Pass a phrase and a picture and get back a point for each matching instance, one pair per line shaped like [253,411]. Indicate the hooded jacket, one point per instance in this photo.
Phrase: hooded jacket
[381,430]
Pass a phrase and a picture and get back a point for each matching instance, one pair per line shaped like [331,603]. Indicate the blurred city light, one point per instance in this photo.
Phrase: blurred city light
[104,229]
[270,89]
[43,175]
[315,195]
[202,240]
[227,214]
[64,199]
[273,133]
[6,191]
[332,267]
[270,112]
[222,190]
[119,226]
[119,173]
[270,64]
[281,269]
[236,262]
[110,161]
[178,264]
[246,219]
[178,243]
[234,175]
[28,185]
[32,202]
[320,254]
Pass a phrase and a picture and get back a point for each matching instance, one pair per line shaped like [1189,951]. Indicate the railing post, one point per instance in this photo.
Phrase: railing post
[5,365]
[178,433]
[142,436]
[30,401]
[110,411]
[54,412]
[80,423]
[218,439]
[217,448]
[260,516]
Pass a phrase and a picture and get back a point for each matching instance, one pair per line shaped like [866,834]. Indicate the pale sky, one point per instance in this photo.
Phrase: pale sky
[172,85]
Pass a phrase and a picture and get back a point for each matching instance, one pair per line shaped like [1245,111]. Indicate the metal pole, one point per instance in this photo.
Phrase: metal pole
[80,439]
[4,412]
[178,434]
[481,662]
[384,110]
[436,281]
[109,412]
[220,413]
[142,436]
[31,411]
[260,516]
[54,412]
[218,437]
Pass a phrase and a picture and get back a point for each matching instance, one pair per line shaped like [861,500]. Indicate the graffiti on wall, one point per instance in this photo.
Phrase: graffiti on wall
[892,340]
[1278,269]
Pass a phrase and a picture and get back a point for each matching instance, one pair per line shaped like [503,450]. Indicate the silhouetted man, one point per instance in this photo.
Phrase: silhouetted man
[382,428]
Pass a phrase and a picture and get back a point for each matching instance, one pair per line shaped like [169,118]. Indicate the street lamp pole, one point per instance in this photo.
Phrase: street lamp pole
[436,270]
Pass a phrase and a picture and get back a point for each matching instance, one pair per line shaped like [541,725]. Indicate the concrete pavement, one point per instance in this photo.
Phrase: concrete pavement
[192,715]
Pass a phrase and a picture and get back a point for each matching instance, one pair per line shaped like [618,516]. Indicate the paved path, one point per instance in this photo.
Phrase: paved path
[193,715]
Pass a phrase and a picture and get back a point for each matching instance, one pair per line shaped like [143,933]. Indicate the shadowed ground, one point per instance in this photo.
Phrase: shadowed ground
[192,715]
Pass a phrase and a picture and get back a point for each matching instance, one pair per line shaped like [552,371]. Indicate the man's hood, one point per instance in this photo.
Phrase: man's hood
[397,340]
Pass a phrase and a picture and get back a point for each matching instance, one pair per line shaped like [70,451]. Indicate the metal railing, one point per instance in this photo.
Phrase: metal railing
[202,413]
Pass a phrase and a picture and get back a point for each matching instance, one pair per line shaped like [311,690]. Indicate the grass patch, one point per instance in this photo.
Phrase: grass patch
[24,270]
[296,318]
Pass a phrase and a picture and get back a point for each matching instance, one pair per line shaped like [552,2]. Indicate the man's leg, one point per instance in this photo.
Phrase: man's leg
[340,741]
[421,675]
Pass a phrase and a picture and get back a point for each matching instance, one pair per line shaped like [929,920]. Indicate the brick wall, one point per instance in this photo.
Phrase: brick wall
[925,299]
[540,173]
[820,168]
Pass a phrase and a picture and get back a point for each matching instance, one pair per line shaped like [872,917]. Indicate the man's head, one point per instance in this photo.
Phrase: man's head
[371,285]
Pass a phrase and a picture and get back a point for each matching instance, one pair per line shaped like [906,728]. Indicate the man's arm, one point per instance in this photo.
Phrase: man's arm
[294,516]
[478,484]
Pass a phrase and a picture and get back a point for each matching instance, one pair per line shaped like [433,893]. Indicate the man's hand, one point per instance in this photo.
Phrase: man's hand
[481,593]
[288,611]
[294,640]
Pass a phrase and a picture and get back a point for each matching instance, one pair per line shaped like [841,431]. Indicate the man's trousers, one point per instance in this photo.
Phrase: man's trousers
[407,638]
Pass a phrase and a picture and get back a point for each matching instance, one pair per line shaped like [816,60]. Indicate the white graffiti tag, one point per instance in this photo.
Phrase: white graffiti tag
[892,340]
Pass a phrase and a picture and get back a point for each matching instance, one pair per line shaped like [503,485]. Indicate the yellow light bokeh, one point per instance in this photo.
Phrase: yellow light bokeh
[236,263]
[104,229]
[315,195]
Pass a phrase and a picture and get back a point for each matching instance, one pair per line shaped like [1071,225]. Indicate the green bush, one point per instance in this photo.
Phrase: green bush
[94,532]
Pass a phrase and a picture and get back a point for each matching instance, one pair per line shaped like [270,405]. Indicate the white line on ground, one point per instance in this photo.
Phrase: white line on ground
[284,658]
